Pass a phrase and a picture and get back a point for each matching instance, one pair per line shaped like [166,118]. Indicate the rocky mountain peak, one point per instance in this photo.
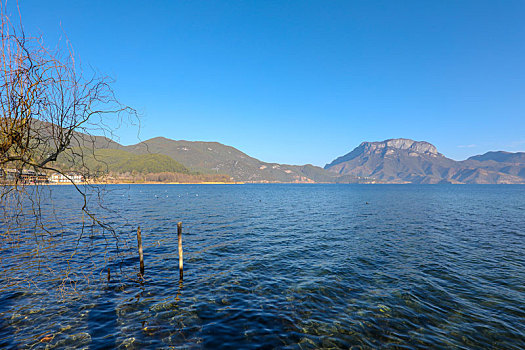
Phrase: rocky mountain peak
[409,161]
[419,147]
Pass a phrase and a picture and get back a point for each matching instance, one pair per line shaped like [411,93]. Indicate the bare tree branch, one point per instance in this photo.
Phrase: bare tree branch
[49,109]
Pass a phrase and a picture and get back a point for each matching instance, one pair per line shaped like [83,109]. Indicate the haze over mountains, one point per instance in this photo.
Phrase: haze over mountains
[390,161]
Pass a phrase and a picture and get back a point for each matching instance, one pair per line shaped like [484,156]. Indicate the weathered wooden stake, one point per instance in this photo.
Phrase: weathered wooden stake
[179,233]
[141,255]
[109,275]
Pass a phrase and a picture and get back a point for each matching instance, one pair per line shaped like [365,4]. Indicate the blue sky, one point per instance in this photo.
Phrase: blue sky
[306,81]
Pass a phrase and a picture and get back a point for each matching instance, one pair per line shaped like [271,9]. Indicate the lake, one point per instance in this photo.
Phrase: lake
[273,266]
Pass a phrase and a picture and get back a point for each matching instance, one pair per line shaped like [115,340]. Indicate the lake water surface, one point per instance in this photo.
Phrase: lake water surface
[280,266]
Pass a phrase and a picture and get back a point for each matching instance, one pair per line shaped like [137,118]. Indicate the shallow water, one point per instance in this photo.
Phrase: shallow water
[284,266]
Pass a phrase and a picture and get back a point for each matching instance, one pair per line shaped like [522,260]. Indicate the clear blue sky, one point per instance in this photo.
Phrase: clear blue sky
[303,81]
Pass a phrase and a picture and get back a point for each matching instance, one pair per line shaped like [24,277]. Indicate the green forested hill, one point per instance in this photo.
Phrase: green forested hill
[103,161]
[216,158]
[122,161]
[100,155]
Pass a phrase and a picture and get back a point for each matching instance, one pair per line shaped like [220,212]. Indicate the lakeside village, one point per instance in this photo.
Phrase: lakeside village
[31,177]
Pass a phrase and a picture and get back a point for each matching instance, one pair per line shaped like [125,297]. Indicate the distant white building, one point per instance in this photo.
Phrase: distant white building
[60,178]
[26,176]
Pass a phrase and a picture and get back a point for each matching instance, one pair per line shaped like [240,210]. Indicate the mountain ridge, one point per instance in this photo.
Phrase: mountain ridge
[398,160]
[409,161]
[500,156]
[215,157]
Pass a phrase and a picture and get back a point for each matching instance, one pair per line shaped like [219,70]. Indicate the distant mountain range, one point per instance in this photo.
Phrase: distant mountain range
[390,161]
[409,161]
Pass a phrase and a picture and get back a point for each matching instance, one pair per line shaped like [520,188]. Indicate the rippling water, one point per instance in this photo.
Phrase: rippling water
[286,266]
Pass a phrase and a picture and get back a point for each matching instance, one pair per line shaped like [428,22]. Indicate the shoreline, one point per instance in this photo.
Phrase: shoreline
[244,183]
[142,183]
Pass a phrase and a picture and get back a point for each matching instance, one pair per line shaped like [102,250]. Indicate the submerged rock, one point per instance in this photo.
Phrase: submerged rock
[74,341]
[127,343]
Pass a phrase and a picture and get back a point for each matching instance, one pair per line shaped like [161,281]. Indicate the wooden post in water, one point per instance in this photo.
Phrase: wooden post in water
[179,233]
[141,255]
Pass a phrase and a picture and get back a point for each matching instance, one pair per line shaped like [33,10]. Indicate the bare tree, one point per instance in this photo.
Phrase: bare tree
[46,101]
[49,110]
